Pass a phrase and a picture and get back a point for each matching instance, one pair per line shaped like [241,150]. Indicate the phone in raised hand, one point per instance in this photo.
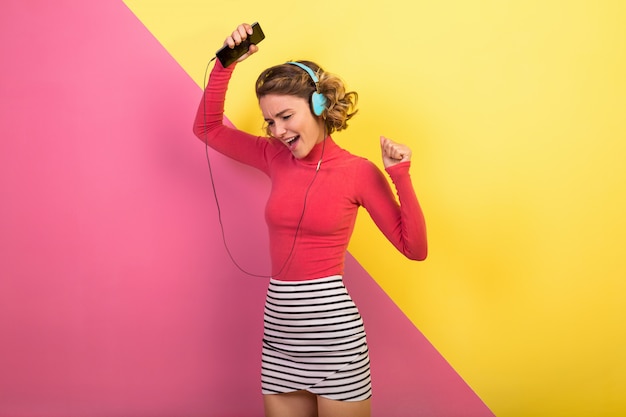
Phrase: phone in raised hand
[227,56]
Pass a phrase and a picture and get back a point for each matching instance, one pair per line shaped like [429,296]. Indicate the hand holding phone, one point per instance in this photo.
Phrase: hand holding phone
[228,55]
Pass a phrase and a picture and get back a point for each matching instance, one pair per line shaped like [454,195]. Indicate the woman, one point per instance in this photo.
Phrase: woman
[315,359]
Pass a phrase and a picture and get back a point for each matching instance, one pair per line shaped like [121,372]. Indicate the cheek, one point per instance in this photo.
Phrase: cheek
[317,127]
[313,123]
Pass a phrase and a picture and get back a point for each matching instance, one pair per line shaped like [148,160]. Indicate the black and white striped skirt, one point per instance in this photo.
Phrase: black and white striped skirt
[314,340]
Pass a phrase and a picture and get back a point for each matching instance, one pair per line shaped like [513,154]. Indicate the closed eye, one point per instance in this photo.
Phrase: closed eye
[270,122]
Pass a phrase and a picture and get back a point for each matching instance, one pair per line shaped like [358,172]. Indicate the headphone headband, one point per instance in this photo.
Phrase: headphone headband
[308,70]
[318,101]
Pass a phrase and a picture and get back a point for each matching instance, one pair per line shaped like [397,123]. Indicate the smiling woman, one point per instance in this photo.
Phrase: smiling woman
[315,357]
[325,92]
[288,120]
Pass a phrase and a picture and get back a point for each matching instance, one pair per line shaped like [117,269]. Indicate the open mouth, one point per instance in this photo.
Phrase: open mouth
[291,141]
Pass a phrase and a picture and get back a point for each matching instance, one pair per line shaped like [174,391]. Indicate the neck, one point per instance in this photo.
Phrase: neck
[319,151]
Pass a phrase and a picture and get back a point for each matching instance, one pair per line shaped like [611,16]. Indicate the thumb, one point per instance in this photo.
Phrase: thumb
[383,141]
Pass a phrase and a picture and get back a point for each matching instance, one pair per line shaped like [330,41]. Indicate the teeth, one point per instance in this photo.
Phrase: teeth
[292,139]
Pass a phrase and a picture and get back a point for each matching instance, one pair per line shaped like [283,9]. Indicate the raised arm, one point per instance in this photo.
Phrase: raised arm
[402,223]
[209,123]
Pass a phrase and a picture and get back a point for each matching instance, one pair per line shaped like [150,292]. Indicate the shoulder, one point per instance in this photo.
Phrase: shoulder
[348,158]
[356,165]
[364,172]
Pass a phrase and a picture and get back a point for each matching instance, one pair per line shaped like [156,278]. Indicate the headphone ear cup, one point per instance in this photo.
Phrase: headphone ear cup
[318,103]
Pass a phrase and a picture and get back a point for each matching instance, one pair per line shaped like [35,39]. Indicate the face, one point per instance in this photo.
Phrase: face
[289,119]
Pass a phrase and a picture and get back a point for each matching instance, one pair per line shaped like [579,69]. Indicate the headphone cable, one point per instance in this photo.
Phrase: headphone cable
[217,204]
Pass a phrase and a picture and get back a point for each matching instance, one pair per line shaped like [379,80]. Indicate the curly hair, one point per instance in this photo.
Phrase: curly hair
[288,79]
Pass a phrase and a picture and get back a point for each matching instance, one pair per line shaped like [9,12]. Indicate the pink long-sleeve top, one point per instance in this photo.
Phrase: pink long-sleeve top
[343,183]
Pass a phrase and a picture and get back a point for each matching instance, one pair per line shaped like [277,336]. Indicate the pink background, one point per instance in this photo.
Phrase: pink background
[117,297]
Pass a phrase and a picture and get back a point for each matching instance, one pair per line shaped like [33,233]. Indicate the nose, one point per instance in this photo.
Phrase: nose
[278,129]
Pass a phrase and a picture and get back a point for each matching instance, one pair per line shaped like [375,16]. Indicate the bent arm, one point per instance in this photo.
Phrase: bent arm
[402,223]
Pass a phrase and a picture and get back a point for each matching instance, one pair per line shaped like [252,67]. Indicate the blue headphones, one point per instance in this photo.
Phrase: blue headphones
[318,101]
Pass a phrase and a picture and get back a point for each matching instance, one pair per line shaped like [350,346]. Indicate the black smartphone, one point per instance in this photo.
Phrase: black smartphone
[227,56]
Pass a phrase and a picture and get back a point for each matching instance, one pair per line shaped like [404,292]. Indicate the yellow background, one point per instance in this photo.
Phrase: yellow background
[516,114]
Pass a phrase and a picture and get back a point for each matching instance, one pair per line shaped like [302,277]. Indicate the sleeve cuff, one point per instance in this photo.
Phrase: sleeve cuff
[399,169]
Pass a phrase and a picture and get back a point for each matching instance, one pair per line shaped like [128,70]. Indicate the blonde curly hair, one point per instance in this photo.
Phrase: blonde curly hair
[288,79]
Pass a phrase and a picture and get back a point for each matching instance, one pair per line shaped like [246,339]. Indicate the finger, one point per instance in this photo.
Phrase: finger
[396,150]
[243,31]
[395,153]
[252,49]
[238,36]
[403,152]
[390,148]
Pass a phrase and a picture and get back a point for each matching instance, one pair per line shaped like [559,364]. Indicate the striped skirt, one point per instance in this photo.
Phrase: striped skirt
[314,340]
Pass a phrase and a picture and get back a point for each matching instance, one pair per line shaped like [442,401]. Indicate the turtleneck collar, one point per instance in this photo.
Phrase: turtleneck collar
[325,150]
